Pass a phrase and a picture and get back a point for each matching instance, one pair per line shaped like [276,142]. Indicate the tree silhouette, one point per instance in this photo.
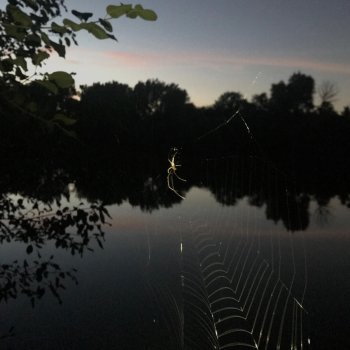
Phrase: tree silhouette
[327,92]
[300,92]
[154,98]
[294,97]
[107,114]
[229,102]
[162,108]
[346,112]
[279,99]
[261,102]
[114,119]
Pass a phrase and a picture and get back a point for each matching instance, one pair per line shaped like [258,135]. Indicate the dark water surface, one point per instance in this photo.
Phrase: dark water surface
[241,262]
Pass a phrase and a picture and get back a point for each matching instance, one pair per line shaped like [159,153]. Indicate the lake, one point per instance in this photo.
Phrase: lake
[246,260]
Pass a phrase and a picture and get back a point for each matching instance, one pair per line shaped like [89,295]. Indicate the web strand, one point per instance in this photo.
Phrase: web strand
[238,292]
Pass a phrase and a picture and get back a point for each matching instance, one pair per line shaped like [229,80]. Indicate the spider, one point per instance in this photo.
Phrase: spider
[172,172]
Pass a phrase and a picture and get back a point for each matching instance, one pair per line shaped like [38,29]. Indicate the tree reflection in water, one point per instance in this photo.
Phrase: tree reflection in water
[36,208]
[34,214]
[38,224]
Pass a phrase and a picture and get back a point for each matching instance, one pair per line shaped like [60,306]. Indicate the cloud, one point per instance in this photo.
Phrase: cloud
[130,59]
[291,62]
[215,61]
[73,61]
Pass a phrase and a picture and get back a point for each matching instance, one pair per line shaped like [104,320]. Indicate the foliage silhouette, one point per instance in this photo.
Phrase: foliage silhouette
[36,224]
[327,92]
[106,109]
[28,36]
[294,97]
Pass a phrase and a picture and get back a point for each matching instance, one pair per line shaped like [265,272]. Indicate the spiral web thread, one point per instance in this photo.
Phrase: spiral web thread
[240,289]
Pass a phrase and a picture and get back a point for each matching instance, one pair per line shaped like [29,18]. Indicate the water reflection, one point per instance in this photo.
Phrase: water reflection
[159,275]
[36,225]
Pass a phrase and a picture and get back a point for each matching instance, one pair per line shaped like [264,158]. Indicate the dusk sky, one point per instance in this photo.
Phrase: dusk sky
[209,47]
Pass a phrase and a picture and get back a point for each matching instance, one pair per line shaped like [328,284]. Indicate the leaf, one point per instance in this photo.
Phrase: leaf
[54,292]
[106,212]
[19,74]
[58,29]
[132,14]
[33,40]
[102,217]
[148,15]
[20,61]
[112,37]
[14,32]
[62,79]
[59,48]
[64,119]
[29,249]
[67,41]
[106,24]
[45,38]
[39,57]
[83,16]
[32,4]
[97,31]
[74,26]
[116,11]
[99,243]
[19,16]
[55,266]
[6,65]
[48,85]
[94,217]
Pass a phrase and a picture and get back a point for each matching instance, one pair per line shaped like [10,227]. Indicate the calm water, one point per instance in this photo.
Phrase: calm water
[240,262]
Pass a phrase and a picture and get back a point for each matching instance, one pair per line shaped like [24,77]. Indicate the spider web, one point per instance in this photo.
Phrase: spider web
[243,279]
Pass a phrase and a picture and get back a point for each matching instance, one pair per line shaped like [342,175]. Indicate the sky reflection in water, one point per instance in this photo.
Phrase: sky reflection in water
[113,304]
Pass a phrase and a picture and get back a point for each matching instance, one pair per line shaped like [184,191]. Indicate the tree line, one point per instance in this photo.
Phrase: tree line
[114,129]
[156,113]
[110,117]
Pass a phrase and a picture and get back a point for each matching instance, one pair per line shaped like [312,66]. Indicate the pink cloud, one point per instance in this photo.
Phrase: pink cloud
[216,60]
[207,59]
[72,61]
[130,59]
[292,62]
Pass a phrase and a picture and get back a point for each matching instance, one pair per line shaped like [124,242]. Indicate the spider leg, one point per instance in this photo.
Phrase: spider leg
[180,178]
[170,181]
[177,193]
[168,178]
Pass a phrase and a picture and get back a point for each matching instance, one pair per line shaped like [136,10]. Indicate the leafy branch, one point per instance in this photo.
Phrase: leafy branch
[27,28]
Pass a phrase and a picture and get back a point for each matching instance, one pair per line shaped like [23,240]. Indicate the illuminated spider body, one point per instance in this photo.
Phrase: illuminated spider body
[172,172]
